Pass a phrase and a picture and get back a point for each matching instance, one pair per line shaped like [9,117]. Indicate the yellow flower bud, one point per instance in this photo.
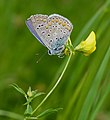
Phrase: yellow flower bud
[29,92]
[88,46]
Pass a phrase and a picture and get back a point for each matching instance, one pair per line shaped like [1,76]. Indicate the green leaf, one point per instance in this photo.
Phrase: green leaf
[28,111]
[29,100]
[33,94]
[38,94]
[48,111]
[18,89]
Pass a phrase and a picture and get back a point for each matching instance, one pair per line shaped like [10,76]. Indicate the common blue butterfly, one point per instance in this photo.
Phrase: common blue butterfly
[52,31]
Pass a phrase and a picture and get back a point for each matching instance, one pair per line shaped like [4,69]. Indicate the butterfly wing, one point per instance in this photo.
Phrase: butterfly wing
[33,24]
[60,29]
[52,31]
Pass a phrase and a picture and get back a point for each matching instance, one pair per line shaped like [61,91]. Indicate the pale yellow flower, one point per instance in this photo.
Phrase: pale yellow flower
[88,46]
[29,92]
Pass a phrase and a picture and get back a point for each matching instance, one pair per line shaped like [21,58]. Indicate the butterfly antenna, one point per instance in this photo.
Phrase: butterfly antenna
[41,56]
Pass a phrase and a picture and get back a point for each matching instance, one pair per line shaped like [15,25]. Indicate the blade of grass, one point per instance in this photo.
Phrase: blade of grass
[102,89]
[71,84]
[75,77]
[95,19]
[93,69]
[74,98]
[11,115]
[93,90]
[105,90]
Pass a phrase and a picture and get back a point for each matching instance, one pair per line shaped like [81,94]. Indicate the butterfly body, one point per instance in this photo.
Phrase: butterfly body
[52,31]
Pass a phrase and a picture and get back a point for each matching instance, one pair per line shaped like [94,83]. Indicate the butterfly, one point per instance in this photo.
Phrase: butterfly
[52,31]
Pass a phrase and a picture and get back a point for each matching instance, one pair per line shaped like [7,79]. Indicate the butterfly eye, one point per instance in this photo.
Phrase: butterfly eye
[49,52]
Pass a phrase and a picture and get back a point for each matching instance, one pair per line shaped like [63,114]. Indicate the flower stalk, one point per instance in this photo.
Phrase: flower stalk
[54,87]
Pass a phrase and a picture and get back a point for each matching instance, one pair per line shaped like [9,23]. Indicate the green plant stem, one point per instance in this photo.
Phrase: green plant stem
[54,87]
[31,118]
[11,115]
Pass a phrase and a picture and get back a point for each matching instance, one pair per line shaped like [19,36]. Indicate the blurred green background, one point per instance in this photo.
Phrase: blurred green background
[18,49]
